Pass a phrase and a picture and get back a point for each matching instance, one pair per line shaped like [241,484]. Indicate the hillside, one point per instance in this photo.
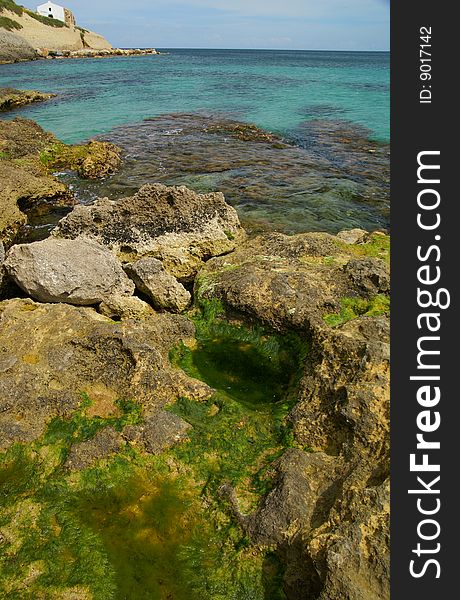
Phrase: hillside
[23,33]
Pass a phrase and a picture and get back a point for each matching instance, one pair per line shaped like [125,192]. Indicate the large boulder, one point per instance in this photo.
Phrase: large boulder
[55,355]
[79,271]
[173,224]
[161,287]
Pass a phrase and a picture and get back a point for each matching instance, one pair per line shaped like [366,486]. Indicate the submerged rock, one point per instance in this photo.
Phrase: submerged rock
[75,351]
[155,282]
[173,224]
[77,271]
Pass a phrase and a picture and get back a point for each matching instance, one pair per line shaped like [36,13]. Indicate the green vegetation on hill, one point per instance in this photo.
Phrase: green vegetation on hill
[11,6]
[9,24]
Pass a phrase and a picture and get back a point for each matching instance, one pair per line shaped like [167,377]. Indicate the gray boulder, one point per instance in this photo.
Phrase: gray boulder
[77,271]
[161,287]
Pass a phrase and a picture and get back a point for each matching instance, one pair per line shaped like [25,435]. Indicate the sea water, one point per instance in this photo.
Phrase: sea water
[276,90]
[170,115]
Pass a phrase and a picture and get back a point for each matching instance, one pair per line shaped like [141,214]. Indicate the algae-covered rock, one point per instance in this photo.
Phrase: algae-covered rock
[328,511]
[78,271]
[155,282]
[173,224]
[23,137]
[158,432]
[94,160]
[28,157]
[294,281]
[300,495]
[74,353]
[12,98]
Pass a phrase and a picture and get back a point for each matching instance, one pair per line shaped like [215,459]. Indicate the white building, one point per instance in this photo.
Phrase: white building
[51,10]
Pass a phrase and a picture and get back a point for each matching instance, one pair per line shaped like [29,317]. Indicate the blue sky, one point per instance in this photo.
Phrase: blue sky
[292,24]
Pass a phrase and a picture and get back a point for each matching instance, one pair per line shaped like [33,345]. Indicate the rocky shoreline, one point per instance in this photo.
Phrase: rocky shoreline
[120,288]
[93,53]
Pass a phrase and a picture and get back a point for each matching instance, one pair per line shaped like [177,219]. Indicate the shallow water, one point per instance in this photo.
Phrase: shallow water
[332,109]
[332,178]
[276,90]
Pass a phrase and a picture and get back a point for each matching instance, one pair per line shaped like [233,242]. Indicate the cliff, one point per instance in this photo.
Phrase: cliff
[25,35]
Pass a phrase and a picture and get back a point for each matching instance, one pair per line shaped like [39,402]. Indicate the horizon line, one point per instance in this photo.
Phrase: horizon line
[253,49]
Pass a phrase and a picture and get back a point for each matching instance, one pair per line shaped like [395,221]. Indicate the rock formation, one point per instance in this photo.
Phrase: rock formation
[28,157]
[11,98]
[326,513]
[173,224]
[24,35]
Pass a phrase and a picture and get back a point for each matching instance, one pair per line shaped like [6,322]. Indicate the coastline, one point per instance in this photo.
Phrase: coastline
[85,53]
[154,405]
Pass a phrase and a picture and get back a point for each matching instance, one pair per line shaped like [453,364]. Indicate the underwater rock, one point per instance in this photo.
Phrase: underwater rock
[322,179]
[173,224]
[155,282]
[76,352]
[79,271]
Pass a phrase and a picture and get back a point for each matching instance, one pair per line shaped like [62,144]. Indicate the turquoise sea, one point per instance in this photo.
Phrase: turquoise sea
[317,101]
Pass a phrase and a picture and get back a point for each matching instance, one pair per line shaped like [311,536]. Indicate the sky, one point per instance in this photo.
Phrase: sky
[272,24]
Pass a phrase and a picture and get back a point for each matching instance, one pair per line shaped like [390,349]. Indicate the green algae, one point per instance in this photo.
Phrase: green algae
[353,308]
[155,527]
[377,246]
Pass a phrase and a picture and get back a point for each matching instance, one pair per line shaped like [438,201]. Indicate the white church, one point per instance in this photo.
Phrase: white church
[51,10]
